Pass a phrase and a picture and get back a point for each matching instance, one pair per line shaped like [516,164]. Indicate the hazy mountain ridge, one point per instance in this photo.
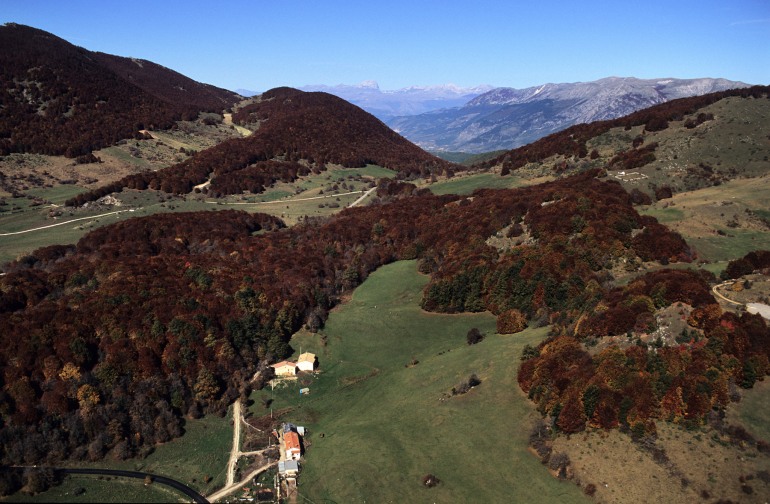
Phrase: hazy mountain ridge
[411,100]
[505,118]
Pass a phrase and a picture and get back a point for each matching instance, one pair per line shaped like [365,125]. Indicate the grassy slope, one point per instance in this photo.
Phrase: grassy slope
[702,218]
[466,184]
[385,425]
[754,410]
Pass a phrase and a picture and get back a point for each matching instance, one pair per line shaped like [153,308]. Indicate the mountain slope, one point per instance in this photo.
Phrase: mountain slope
[58,98]
[506,118]
[168,85]
[295,132]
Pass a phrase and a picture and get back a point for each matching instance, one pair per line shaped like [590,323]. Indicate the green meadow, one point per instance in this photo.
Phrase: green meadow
[381,415]
[467,184]
[734,244]
[291,202]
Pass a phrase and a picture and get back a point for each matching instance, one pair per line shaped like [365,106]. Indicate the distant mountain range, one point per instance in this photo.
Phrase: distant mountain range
[506,118]
[388,104]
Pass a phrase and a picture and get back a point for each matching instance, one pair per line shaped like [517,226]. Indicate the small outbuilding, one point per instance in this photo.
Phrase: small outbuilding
[307,362]
[288,468]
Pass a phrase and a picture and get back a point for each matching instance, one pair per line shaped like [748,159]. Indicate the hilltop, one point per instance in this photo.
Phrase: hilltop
[295,132]
[61,99]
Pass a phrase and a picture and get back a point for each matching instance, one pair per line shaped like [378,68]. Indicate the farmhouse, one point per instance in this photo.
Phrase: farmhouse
[291,445]
[306,362]
[285,368]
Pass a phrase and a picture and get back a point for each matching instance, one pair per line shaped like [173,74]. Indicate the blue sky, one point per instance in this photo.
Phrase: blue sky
[261,44]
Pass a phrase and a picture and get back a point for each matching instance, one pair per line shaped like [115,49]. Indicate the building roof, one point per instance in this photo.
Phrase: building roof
[284,364]
[288,465]
[306,357]
[291,440]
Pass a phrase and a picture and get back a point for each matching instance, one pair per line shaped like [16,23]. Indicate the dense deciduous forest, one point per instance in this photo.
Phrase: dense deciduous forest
[107,345]
[294,126]
[572,141]
[168,85]
[57,98]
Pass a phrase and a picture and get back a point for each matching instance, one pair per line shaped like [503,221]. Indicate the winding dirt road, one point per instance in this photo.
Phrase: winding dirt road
[718,294]
[93,217]
[235,453]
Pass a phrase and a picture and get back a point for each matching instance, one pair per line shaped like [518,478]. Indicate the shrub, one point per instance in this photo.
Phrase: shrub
[430,480]
[474,336]
[466,385]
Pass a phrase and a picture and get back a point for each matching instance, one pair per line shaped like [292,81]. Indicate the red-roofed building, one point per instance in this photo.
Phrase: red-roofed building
[291,445]
[285,368]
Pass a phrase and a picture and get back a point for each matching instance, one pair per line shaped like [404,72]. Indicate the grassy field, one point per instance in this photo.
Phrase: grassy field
[468,184]
[664,215]
[722,223]
[735,244]
[753,412]
[104,489]
[380,412]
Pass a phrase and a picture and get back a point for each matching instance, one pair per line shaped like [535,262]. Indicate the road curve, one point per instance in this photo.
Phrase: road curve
[195,496]
[718,294]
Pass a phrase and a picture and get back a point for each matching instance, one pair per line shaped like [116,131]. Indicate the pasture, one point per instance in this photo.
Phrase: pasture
[381,414]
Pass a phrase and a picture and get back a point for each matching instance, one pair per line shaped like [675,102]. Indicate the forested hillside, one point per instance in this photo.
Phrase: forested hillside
[58,98]
[108,344]
[296,132]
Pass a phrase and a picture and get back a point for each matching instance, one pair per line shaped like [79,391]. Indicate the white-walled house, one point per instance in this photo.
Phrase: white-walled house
[306,362]
[285,368]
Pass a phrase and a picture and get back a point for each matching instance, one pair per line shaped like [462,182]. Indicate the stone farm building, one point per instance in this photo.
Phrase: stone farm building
[288,468]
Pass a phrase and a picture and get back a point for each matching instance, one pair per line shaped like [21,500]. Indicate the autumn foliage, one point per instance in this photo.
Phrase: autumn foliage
[511,321]
[298,132]
[109,344]
[59,99]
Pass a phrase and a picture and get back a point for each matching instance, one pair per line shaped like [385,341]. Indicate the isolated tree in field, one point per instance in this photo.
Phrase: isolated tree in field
[474,336]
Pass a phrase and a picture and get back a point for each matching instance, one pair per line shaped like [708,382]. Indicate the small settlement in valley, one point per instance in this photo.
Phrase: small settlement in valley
[290,435]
